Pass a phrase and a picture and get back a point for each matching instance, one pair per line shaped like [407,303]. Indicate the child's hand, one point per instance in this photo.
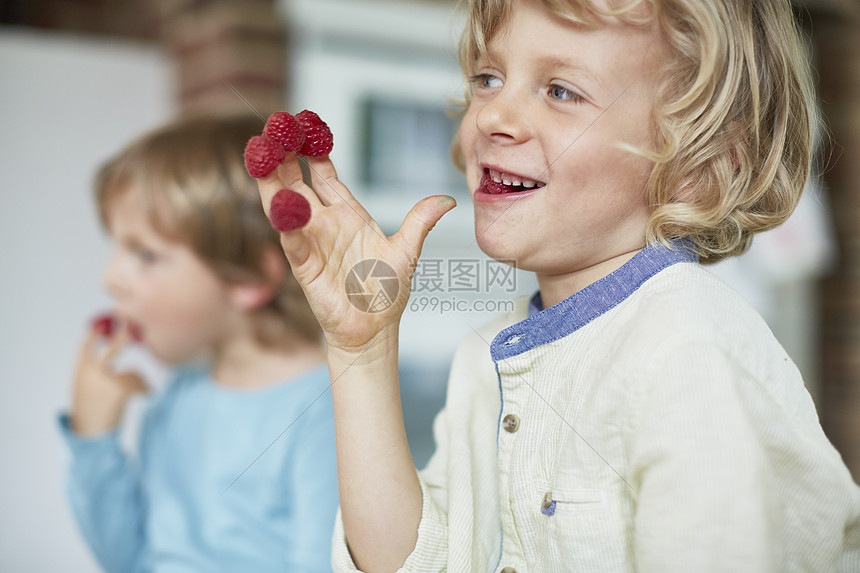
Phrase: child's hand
[339,235]
[100,393]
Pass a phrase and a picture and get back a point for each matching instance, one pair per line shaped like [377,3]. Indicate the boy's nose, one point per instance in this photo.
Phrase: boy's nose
[503,117]
[111,277]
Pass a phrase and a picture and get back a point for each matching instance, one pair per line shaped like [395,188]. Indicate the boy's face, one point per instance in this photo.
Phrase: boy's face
[549,104]
[180,305]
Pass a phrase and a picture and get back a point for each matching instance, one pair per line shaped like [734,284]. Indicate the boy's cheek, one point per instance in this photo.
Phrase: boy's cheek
[470,159]
[468,133]
[166,344]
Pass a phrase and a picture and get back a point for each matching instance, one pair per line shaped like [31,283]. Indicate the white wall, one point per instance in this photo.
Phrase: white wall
[66,104]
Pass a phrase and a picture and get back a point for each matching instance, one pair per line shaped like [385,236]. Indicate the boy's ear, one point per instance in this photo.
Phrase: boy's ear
[736,160]
[250,296]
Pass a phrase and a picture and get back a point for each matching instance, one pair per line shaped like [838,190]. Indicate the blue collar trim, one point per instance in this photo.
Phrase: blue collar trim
[547,325]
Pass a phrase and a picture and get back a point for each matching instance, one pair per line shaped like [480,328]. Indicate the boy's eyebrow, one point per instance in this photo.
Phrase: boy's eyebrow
[551,61]
[556,62]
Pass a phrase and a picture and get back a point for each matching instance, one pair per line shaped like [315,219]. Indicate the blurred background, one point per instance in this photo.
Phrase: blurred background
[80,78]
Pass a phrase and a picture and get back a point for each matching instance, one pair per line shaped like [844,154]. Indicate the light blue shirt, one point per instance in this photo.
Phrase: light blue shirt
[227,481]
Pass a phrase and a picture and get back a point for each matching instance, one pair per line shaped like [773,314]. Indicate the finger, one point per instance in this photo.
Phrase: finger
[331,191]
[290,172]
[295,246]
[90,343]
[420,220]
[268,186]
[116,343]
[325,182]
[294,243]
[286,175]
[132,382]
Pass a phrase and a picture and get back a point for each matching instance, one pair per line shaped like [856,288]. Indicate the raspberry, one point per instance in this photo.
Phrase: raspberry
[289,211]
[318,138]
[104,324]
[263,155]
[286,130]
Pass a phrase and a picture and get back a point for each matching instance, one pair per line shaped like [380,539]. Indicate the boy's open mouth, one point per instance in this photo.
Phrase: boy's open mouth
[496,182]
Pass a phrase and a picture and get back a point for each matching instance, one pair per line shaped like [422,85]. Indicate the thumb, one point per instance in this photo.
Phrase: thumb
[420,219]
[132,383]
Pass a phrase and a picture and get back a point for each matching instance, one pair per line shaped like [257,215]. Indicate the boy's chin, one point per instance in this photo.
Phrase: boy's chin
[163,357]
[495,246]
[171,356]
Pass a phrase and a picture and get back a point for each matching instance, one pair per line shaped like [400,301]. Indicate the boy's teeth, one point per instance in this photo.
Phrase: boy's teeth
[508,179]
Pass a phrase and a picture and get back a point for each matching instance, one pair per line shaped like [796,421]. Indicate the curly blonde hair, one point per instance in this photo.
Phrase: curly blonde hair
[734,116]
[192,178]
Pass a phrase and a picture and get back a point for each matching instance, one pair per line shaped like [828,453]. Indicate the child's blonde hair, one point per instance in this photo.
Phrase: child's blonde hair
[734,117]
[191,176]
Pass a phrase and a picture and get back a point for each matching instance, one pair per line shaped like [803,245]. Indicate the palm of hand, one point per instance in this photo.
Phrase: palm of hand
[339,236]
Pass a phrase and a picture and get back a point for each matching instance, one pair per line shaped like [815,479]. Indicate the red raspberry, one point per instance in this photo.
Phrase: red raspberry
[289,211]
[263,155]
[286,130]
[318,138]
[104,324]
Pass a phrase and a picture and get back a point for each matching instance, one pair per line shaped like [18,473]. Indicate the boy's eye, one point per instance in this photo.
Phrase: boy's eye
[486,81]
[562,93]
[145,255]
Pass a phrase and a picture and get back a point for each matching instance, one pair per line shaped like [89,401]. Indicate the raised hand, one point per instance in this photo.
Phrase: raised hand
[332,256]
[340,235]
[100,393]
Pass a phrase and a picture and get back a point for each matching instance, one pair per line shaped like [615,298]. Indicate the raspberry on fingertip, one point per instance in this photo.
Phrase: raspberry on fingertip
[104,324]
[263,155]
[286,130]
[319,140]
[289,211]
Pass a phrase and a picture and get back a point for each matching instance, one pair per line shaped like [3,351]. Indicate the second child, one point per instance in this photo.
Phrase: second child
[236,464]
